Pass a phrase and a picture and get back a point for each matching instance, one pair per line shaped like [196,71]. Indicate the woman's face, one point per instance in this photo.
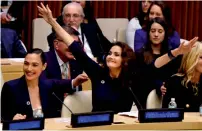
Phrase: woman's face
[145,5]
[81,2]
[155,11]
[157,33]
[199,64]
[114,58]
[33,66]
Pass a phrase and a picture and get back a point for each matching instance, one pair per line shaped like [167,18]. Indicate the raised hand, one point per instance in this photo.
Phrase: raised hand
[163,89]
[80,79]
[45,12]
[186,47]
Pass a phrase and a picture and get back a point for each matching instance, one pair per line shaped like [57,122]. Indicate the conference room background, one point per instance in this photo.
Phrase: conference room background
[186,15]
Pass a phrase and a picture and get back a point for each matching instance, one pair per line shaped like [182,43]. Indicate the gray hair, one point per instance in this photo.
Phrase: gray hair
[75,4]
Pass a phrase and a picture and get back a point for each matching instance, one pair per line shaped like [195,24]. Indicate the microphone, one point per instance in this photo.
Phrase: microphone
[135,99]
[62,102]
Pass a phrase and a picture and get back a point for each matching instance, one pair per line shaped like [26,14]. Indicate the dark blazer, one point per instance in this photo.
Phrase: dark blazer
[184,97]
[15,97]
[141,39]
[11,46]
[107,93]
[53,68]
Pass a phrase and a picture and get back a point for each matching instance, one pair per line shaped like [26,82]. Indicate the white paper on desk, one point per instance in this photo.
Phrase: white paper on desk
[63,120]
[131,113]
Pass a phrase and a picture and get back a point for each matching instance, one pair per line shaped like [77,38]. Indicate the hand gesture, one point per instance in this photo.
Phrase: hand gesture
[45,12]
[19,117]
[186,47]
[80,79]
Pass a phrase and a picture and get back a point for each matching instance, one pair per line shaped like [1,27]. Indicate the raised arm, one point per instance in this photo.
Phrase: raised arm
[182,49]
[46,13]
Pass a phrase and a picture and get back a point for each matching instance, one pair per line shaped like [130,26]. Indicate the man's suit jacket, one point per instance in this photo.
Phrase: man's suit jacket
[11,46]
[98,43]
[141,40]
[15,97]
[53,68]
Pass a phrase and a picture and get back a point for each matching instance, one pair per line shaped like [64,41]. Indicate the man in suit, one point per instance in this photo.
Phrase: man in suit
[60,61]
[95,44]
[11,45]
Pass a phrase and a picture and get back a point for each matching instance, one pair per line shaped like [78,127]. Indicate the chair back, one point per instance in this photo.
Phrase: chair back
[41,29]
[121,35]
[79,102]
[153,100]
[109,26]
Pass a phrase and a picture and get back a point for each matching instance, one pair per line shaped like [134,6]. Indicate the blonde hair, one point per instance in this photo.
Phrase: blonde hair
[188,65]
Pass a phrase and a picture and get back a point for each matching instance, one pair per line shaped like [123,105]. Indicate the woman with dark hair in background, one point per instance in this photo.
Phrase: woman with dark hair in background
[110,84]
[31,96]
[157,45]
[137,22]
[157,9]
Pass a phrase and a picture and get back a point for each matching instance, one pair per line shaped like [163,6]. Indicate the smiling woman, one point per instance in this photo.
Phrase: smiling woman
[31,95]
[111,83]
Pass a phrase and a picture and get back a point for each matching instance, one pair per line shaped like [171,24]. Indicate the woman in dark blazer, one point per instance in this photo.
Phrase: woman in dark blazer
[186,85]
[110,83]
[31,96]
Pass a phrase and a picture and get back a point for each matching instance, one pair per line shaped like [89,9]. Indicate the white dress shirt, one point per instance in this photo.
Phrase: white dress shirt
[85,43]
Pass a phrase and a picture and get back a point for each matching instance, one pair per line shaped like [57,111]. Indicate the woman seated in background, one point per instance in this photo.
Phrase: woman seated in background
[110,84]
[186,85]
[157,45]
[157,9]
[31,96]
[137,22]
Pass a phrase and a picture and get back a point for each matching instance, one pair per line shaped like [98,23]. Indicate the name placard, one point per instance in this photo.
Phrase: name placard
[92,119]
[161,115]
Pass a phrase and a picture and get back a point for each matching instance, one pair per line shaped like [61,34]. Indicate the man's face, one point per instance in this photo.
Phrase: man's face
[62,50]
[72,16]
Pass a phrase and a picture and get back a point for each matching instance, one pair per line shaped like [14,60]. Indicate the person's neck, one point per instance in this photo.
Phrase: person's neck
[156,48]
[196,77]
[114,73]
[32,83]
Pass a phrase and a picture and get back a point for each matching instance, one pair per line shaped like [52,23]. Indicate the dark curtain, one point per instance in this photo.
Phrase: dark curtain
[186,15]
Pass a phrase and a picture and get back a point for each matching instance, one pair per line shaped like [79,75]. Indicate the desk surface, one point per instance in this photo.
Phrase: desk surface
[191,121]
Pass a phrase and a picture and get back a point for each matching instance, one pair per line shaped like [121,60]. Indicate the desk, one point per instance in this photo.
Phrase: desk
[191,121]
[11,68]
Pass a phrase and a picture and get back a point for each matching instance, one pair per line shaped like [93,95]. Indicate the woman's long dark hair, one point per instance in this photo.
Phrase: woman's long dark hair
[141,15]
[166,14]
[148,52]
[128,59]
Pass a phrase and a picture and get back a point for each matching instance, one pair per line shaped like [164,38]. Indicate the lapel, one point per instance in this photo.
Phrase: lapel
[43,91]
[91,36]
[53,68]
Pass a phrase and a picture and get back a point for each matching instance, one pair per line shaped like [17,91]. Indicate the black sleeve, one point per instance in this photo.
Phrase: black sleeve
[172,86]
[91,68]
[62,86]
[7,103]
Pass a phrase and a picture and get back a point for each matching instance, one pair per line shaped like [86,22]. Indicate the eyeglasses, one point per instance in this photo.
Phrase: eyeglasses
[74,16]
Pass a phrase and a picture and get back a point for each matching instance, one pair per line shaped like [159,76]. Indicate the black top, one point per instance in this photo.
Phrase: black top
[185,97]
[107,93]
[150,77]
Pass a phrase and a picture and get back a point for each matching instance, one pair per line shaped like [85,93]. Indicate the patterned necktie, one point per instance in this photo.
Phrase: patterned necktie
[64,71]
